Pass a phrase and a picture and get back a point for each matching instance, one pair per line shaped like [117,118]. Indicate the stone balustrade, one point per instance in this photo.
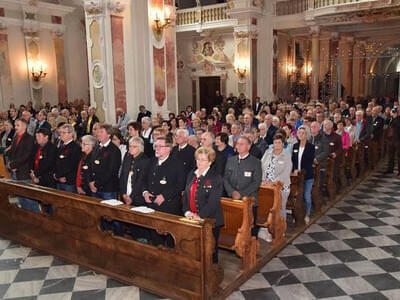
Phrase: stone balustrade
[201,14]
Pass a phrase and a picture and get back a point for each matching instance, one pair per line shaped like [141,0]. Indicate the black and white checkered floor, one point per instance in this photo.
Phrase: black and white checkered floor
[351,253]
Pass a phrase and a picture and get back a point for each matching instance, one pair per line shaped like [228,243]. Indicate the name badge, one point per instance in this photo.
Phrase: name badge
[40,157]
[316,147]
[130,174]
[332,144]
[97,162]
[163,181]
[280,162]
[9,139]
[85,167]
[295,150]
[61,156]
[247,174]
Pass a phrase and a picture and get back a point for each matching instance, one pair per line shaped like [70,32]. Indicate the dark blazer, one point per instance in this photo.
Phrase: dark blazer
[47,162]
[106,164]
[139,168]
[9,137]
[45,124]
[306,159]
[321,147]
[377,128]
[335,146]
[257,108]
[20,156]
[67,161]
[86,171]
[218,165]
[256,152]
[208,196]
[167,180]
[364,131]
[270,134]
[186,156]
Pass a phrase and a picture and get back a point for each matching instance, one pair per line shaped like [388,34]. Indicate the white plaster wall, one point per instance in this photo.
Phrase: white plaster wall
[137,57]
[48,56]
[19,72]
[75,55]
[265,54]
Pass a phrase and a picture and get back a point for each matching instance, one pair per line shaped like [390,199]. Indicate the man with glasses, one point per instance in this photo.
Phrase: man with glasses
[183,151]
[68,157]
[163,184]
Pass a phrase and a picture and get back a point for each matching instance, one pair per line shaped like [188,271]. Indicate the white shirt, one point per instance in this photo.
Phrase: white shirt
[160,161]
[106,144]
[197,175]
[146,133]
[301,150]
[182,147]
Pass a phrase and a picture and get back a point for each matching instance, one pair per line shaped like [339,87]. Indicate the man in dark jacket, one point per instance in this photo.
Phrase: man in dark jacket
[163,185]
[20,152]
[68,157]
[106,164]
[183,151]
[43,159]
[19,161]
[393,139]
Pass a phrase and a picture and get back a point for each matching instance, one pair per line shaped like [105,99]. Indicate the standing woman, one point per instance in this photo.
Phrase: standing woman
[203,191]
[84,173]
[302,158]
[276,166]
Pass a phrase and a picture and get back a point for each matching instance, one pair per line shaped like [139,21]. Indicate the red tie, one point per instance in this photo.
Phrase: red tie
[78,174]
[193,190]
[37,158]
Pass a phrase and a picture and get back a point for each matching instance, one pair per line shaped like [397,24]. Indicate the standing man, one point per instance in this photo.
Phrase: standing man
[243,176]
[143,112]
[165,179]
[19,161]
[394,141]
[123,120]
[41,121]
[106,164]
[31,122]
[68,157]
[43,159]
[183,151]
[92,119]
[20,152]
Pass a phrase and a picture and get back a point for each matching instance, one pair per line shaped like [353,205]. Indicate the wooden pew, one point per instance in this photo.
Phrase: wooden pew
[72,231]
[315,192]
[360,158]
[350,162]
[236,233]
[329,183]
[269,211]
[3,171]
[296,198]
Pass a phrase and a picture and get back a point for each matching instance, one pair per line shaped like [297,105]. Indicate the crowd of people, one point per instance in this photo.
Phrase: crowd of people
[184,164]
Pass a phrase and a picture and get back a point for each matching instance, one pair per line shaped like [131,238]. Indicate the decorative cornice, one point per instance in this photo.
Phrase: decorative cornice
[6,22]
[39,7]
[245,34]
[117,6]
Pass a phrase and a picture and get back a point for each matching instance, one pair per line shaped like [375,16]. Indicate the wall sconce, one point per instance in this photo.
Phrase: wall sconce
[291,69]
[308,69]
[161,24]
[241,72]
[37,69]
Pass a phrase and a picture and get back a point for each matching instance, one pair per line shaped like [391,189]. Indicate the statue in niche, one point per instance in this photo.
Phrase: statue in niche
[208,49]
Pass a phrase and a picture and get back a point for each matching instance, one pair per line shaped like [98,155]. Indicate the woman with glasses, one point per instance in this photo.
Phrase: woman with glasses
[84,173]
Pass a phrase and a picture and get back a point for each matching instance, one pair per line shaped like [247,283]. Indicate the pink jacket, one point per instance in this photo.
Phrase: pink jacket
[346,140]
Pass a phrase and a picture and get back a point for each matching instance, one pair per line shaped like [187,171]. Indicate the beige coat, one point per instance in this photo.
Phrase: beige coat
[283,166]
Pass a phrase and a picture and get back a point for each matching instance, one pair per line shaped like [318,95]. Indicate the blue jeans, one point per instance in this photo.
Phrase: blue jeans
[307,194]
[26,203]
[66,187]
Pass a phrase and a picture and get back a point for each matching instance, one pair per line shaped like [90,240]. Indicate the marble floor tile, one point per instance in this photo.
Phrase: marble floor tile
[14,253]
[57,296]
[24,289]
[7,276]
[294,291]
[373,253]
[66,271]
[365,268]
[354,285]
[322,259]
[97,282]
[37,262]
[335,245]
[256,282]
[309,274]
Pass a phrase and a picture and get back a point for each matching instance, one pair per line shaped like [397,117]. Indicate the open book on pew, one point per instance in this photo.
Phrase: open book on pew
[143,209]
[112,202]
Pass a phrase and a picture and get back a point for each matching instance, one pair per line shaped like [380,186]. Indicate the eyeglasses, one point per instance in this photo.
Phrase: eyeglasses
[159,146]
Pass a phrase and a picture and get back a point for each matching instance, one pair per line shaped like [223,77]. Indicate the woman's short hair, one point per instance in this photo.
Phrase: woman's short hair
[207,151]
[117,133]
[306,129]
[138,141]
[89,139]
[279,137]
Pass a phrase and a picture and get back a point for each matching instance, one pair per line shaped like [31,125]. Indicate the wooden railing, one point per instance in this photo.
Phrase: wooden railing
[201,14]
